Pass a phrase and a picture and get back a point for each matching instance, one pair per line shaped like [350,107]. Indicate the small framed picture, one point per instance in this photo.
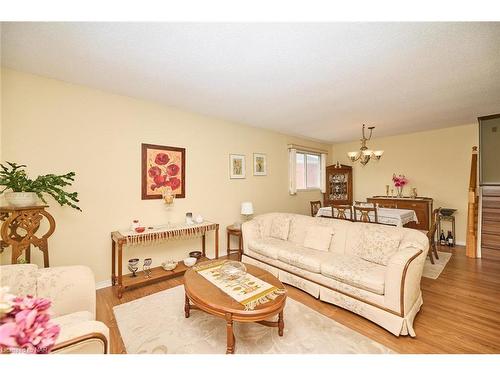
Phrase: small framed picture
[259,165]
[237,166]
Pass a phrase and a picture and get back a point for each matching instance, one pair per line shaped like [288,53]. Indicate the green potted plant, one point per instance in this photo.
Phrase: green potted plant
[24,191]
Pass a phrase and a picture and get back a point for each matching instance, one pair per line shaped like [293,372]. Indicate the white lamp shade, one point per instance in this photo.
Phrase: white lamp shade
[367,152]
[246,208]
[378,152]
[352,154]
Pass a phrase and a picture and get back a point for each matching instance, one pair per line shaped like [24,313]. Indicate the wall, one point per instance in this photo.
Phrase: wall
[436,162]
[55,127]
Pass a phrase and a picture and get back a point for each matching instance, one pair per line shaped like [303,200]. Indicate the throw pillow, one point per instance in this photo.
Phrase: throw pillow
[318,237]
[378,244]
[280,227]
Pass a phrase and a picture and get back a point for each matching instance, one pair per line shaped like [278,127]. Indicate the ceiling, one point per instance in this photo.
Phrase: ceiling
[317,80]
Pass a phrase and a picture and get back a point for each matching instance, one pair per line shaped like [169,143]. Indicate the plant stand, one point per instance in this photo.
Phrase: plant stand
[26,219]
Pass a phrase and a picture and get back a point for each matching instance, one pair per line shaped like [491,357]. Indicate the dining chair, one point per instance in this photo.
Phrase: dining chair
[364,204]
[364,214]
[431,234]
[342,210]
[315,206]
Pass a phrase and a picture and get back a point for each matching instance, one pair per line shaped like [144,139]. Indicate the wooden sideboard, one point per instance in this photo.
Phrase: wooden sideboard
[421,205]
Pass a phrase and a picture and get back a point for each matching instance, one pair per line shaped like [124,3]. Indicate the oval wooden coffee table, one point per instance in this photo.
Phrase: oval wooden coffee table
[203,295]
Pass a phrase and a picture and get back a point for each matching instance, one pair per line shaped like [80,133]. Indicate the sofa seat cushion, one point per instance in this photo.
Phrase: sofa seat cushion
[268,246]
[80,324]
[355,271]
[303,257]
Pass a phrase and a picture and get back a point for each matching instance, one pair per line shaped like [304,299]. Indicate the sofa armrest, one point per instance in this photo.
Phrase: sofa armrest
[70,288]
[402,278]
[86,337]
[250,231]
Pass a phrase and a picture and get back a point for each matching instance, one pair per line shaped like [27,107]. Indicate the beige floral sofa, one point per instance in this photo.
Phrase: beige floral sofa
[72,292]
[372,270]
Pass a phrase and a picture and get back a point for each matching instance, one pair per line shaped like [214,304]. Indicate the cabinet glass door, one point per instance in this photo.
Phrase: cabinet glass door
[338,186]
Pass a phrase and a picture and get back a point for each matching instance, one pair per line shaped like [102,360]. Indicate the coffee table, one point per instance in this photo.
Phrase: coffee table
[203,295]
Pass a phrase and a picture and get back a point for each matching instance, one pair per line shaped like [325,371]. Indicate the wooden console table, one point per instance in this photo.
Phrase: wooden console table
[26,219]
[153,235]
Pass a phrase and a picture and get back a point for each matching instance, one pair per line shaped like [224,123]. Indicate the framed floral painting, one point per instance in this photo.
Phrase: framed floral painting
[163,168]
[237,167]
[259,165]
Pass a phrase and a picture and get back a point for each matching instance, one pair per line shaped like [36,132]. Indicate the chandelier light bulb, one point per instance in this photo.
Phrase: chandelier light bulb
[353,155]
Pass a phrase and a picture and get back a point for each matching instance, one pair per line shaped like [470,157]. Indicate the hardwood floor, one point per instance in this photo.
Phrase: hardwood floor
[461,311]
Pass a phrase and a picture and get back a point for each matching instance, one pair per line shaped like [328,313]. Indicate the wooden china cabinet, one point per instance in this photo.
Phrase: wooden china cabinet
[338,185]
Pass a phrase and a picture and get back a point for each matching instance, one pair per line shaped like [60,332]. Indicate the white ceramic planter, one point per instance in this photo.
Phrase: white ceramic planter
[21,199]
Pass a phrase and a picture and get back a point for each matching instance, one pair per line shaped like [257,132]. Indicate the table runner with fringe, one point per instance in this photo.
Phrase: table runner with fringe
[168,231]
[248,290]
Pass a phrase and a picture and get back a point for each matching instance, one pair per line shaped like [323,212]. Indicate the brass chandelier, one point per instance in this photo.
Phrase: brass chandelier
[365,154]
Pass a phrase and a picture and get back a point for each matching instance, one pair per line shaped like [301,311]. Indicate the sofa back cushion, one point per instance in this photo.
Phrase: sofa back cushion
[347,236]
[318,237]
[298,225]
[20,278]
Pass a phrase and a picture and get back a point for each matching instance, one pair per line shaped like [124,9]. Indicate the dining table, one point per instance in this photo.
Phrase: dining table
[391,216]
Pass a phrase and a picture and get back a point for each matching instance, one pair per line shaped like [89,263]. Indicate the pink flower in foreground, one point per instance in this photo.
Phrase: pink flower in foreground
[27,327]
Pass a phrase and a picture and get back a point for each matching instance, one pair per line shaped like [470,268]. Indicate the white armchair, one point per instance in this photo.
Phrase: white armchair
[72,292]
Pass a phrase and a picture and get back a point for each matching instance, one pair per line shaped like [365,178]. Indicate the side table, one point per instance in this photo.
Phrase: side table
[450,218]
[27,219]
[234,231]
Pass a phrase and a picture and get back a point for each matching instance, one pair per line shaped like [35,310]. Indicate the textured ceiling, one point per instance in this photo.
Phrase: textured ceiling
[318,80]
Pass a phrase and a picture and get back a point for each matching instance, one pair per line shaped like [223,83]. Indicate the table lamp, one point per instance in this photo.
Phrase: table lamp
[246,211]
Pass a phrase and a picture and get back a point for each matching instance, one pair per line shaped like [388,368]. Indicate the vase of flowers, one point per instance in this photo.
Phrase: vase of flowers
[399,183]
[25,325]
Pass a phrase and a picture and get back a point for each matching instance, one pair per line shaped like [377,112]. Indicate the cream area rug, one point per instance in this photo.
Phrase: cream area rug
[433,271]
[156,324]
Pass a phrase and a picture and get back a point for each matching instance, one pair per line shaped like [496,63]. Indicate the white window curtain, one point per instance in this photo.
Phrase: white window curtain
[292,154]
[323,173]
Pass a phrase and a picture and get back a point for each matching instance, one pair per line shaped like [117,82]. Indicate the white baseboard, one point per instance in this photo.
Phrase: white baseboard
[103,284]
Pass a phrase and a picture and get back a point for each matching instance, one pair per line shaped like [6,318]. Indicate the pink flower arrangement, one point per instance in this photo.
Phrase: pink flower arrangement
[25,325]
[399,181]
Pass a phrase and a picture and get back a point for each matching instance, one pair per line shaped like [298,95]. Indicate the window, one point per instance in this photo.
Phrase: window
[308,171]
